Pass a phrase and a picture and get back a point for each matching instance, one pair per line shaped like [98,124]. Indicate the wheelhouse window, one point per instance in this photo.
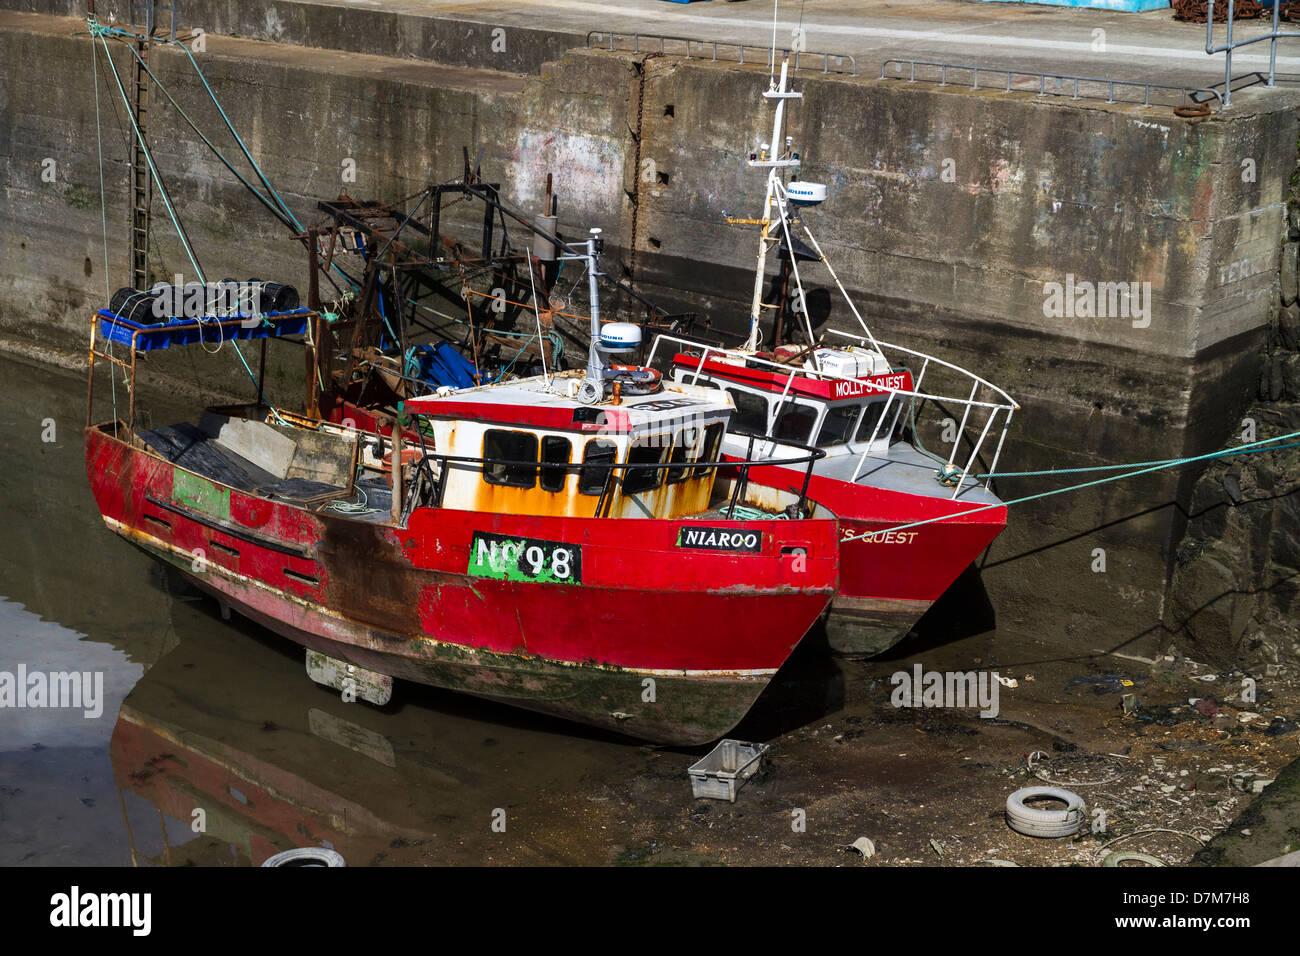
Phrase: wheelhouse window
[837,426]
[556,452]
[591,481]
[751,412]
[794,422]
[869,419]
[709,450]
[683,451]
[647,450]
[501,446]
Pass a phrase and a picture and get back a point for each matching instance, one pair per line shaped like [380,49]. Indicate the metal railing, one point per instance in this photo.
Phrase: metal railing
[1075,87]
[1000,403]
[447,463]
[1229,45]
[710,49]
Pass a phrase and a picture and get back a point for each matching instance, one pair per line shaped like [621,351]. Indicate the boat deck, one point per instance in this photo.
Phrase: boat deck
[906,470]
[286,457]
[195,450]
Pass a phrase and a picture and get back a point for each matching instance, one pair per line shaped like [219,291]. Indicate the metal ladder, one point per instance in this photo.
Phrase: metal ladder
[141,181]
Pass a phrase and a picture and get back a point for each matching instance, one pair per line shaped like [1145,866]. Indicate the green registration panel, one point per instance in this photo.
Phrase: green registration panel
[505,558]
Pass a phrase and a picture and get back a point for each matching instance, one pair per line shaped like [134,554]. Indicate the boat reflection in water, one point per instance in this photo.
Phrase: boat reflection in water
[223,755]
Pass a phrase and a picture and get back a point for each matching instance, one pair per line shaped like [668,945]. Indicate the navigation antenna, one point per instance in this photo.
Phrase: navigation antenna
[771,157]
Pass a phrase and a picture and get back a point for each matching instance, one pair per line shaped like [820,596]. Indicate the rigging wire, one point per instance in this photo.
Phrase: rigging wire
[103,210]
[100,32]
[144,149]
[279,207]
[274,209]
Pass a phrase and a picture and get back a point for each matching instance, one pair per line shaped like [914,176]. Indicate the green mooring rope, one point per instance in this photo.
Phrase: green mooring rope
[1266,444]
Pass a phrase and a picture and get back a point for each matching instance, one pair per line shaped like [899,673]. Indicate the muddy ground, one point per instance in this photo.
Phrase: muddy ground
[928,786]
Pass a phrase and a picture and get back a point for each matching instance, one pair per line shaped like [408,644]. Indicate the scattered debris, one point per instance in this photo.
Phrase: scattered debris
[1206,706]
[1125,856]
[1249,782]
[1279,727]
[306,856]
[725,769]
[864,846]
[1103,683]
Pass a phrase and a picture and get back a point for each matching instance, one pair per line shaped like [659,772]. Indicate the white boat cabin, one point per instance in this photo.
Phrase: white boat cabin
[537,450]
[839,409]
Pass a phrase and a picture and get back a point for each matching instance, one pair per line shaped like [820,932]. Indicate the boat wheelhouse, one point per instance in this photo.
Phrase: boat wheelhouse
[556,456]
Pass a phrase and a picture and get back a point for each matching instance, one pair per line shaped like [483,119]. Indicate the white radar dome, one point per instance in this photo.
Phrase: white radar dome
[806,194]
[620,335]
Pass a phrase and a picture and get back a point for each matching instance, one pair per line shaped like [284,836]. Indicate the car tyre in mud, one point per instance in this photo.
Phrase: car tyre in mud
[1045,823]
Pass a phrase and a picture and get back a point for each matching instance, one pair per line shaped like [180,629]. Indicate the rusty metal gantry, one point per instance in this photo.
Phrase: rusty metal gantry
[406,259]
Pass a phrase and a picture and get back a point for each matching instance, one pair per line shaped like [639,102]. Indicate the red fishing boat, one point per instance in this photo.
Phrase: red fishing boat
[911,520]
[565,545]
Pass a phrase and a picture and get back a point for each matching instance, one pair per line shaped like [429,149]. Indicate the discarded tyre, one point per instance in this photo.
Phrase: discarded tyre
[306,856]
[1045,823]
[1128,856]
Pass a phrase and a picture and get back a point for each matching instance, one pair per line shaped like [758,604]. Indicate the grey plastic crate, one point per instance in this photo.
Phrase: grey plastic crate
[725,769]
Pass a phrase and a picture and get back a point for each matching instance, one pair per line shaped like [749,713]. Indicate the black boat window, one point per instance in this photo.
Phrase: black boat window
[591,481]
[683,451]
[499,446]
[710,449]
[646,450]
[869,420]
[837,426]
[751,412]
[794,423]
[556,452]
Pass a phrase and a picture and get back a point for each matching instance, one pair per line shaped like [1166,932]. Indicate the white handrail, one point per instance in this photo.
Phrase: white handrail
[932,358]
[751,359]
[1006,409]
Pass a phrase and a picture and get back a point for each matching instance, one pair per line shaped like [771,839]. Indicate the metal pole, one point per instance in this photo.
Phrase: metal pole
[395,443]
[1227,57]
[1272,44]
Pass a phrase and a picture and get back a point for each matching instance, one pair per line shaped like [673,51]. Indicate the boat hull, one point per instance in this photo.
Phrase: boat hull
[658,643]
[889,579]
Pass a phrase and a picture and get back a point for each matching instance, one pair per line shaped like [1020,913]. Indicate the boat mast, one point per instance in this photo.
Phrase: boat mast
[771,158]
[592,389]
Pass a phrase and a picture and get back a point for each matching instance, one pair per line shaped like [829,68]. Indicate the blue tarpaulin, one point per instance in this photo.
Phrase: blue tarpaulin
[439,365]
